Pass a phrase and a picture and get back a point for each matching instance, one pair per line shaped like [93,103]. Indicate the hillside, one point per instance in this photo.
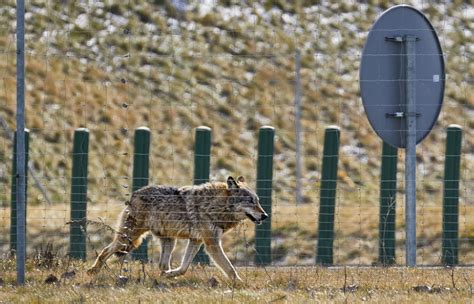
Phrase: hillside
[114,67]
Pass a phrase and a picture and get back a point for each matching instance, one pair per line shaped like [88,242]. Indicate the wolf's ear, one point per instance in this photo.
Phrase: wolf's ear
[241,179]
[231,184]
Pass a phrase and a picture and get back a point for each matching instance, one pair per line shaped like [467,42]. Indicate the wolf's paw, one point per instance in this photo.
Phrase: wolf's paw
[164,267]
[92,271]
[172,273]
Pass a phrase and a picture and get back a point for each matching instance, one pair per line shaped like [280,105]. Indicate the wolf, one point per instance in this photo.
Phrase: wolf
[201,214]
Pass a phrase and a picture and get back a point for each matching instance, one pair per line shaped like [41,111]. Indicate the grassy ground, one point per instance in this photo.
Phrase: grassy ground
[60,281]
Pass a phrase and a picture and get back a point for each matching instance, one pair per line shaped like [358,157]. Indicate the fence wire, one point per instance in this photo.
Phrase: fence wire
[172,66]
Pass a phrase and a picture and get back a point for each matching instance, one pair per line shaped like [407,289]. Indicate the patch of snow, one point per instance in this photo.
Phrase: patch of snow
[262,12]
[205,7]
[53,107]
[357,152]
[117,20]
[249,76]
[191,26]
[82,21]
[35,10]
[91,42]
[289,19]
[247,136]
[180,5]
[95,49]
[111,29]
[262,120]
[174,26]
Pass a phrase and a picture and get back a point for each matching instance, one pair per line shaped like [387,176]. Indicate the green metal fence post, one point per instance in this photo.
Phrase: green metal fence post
[78,226]
[263,232]
[141,165]
[13,222]
[202,160]
[451,196]
[324,254]
[388,193]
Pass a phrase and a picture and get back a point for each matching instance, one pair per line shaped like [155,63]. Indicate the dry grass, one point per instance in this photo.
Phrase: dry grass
[136,283]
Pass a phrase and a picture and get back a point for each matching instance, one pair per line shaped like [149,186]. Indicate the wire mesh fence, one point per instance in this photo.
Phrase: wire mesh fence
[171,66]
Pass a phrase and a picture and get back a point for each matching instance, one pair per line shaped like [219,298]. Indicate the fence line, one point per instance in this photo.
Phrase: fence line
[263,232]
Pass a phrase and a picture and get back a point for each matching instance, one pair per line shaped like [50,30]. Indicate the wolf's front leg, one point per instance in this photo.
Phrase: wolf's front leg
[191,251]
[214,248]
[167,246]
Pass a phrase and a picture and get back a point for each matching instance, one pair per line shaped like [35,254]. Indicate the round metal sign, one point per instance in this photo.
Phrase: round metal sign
[402,47]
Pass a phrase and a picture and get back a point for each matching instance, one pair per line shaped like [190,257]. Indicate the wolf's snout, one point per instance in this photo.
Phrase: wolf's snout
[264,216]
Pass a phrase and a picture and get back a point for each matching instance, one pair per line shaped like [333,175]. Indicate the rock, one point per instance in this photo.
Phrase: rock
[68,275]
[350,288]
[422,288]
[51,279]
[428,289]
[122,281]
[212,282]
[159,285]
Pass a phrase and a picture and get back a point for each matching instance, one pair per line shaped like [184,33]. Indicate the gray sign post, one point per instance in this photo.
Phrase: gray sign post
[20,129]
[410,153]
[402,87]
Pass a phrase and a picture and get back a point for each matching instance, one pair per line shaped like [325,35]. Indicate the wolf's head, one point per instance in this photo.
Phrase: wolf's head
[245,201]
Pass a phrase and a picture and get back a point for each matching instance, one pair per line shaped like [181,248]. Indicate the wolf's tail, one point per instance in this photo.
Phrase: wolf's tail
[123,230]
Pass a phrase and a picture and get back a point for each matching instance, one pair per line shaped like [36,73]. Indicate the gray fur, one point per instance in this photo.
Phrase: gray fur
[201,214]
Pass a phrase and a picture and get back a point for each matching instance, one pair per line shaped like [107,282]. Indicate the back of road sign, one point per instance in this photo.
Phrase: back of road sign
[383,74]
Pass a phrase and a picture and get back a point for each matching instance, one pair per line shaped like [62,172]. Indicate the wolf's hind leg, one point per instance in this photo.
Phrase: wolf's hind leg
[127,238]
[103,256]
[121,245]
[191,251]
[167,246]
[214,248]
